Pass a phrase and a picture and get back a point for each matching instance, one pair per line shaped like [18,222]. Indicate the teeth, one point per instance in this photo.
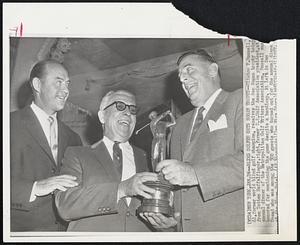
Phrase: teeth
[190,87]
[124,122]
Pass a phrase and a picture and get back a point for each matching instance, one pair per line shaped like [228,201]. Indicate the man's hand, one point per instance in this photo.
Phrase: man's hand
[177,173]
[61,182]
[159,221]
[135,185]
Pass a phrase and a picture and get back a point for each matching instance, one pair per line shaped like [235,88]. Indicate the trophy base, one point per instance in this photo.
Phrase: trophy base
[153,206]
[162,198]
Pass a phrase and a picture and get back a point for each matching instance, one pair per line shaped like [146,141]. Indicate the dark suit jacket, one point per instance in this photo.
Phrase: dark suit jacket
[92,206]
[217,203]
[32,160]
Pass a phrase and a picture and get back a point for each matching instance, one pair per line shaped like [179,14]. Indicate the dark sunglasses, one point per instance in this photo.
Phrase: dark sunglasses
[121,106]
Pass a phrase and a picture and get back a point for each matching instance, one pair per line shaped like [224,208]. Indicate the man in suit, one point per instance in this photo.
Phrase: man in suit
[207,153]
[37,147]
[110,173]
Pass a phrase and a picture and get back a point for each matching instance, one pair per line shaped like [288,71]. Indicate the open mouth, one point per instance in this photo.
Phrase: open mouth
[191,88]
[61,98]
[124,123]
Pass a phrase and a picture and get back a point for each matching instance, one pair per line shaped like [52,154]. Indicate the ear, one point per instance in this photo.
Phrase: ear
[101,116]
[213,70]
[36,84]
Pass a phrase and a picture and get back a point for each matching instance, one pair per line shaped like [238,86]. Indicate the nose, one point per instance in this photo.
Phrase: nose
[64,86]
[183,77]
[126,111]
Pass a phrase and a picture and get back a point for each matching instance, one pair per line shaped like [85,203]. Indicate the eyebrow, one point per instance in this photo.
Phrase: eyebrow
[189,64]
[61,78]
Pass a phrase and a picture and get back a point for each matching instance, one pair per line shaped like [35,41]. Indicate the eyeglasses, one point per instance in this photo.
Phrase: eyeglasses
[121,106]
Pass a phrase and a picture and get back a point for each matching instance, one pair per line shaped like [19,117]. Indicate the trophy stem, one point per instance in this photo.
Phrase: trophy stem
[163,198]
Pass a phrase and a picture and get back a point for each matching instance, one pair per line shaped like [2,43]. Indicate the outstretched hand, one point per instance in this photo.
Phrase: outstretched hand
[61,182]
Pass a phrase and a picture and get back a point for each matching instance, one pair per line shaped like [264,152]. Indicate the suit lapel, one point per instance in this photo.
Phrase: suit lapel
[35,129]
[104,158]
[186,131]
[62,142]
[214,113]
[216,109]
[138,160]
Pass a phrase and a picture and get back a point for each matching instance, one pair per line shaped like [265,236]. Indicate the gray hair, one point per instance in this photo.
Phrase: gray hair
[106,100]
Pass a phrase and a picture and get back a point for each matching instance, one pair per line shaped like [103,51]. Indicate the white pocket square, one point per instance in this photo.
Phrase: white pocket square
[219,124]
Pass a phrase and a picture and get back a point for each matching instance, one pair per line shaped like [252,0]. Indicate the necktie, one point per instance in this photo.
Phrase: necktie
[117,157]
[197,122]
[53,138]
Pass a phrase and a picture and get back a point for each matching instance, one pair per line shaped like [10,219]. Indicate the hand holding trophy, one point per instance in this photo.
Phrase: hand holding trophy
[162,199]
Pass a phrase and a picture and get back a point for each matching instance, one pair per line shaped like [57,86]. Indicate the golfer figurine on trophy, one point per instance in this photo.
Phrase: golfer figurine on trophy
[162,200]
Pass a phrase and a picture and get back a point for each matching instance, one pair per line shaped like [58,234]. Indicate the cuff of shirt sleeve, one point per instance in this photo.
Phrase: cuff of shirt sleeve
[120,194]
[32,195]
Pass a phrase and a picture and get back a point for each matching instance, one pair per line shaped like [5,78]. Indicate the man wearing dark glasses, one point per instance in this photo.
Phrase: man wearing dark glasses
[110,173]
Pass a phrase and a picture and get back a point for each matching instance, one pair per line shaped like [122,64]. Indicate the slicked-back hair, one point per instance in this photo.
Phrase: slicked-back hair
[202,53]
[40,68]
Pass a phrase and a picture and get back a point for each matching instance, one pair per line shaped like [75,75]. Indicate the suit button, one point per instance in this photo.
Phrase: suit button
[127,213]
[100,209]
[107,209]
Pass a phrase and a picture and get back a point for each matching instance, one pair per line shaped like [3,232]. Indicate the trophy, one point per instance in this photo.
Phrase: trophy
[162,199]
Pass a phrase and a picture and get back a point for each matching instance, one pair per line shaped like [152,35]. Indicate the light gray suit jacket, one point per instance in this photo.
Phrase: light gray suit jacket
[92,205]
[217,203]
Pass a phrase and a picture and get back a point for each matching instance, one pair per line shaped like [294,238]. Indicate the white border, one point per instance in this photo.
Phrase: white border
[148,20]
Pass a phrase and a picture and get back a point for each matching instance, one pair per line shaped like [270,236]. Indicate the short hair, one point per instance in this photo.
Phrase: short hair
[202,53]
[40,68]
[107,97]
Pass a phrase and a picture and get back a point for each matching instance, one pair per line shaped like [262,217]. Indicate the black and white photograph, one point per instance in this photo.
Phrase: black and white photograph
[170,109]
[111,136]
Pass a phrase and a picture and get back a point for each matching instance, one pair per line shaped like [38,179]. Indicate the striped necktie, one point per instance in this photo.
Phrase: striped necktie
[117,157]
[53,138]
[197,123]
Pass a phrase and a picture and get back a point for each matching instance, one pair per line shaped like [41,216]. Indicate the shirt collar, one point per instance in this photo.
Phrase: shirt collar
[110,143]
[40,113]
[211,99]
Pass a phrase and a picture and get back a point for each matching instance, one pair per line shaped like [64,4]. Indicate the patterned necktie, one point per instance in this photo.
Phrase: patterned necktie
[53,138]
[117,157]
[197,123]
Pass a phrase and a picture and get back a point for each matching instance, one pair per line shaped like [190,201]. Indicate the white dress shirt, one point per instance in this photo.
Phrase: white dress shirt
[128,166]
[207,105]
[42,117]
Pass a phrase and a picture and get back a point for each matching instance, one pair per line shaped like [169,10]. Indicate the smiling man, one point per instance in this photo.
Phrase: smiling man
[110,173]
[38,141]
[207,153]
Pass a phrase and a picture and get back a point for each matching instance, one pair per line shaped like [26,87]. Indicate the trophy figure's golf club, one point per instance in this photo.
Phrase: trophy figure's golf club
[162,200]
